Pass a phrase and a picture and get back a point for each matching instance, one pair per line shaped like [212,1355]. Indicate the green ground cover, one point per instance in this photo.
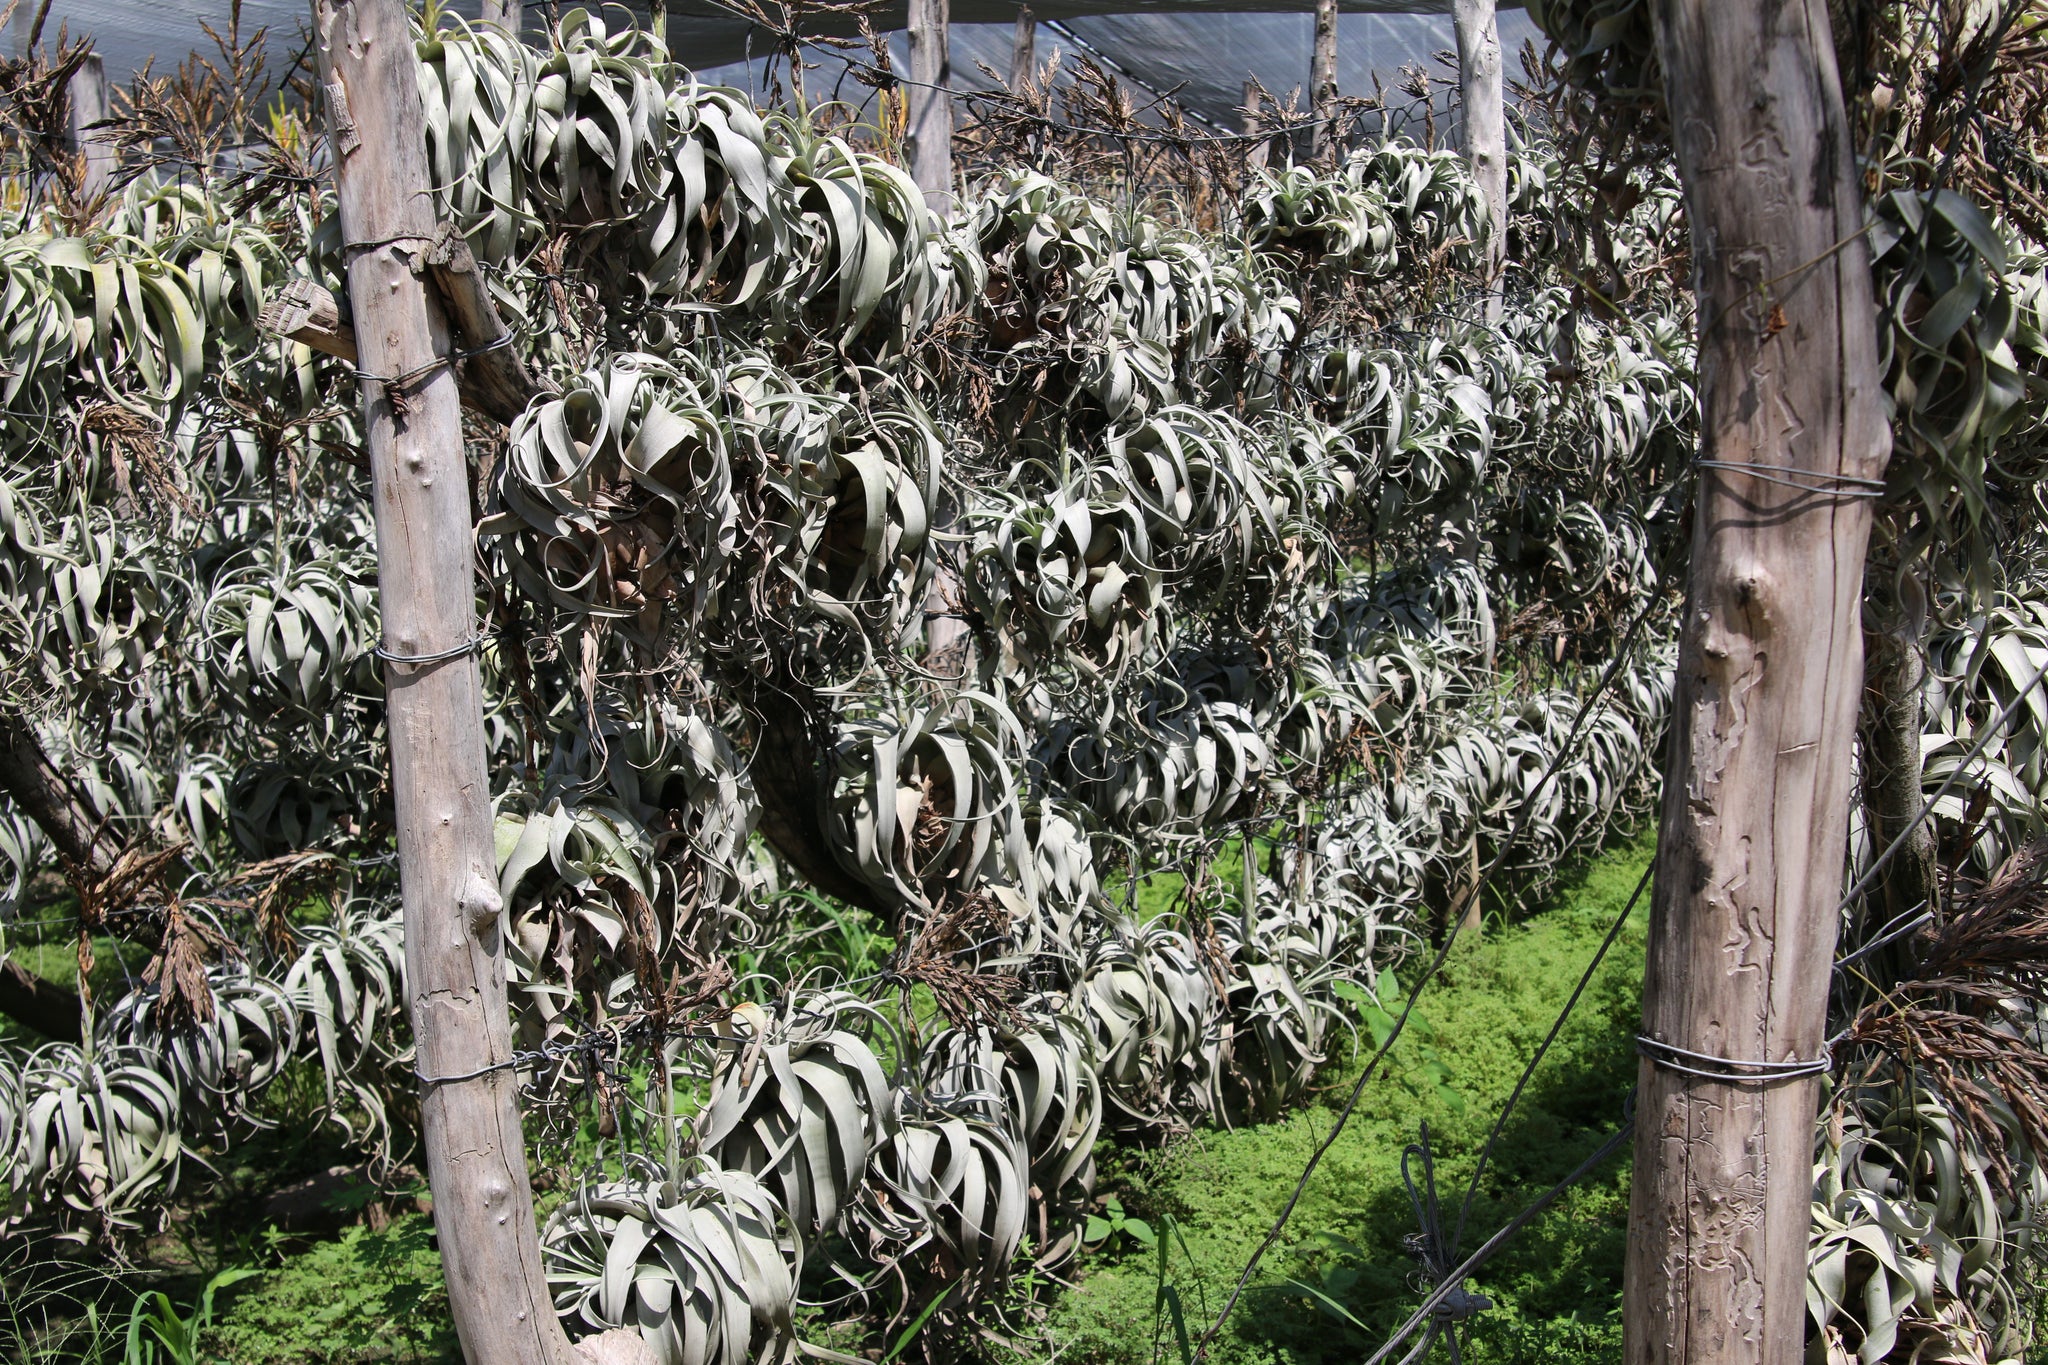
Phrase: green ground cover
[1556,1289]
[1337,1281]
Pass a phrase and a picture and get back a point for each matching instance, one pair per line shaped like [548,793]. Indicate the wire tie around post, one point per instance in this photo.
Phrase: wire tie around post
[425,1079]
[1730,1070]
[420,660]
[420,371]
[1804,480]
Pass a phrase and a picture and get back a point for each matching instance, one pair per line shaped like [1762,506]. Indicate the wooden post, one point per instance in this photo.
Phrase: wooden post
[1485,128]
[1024,49]
[87,96]
[930,110]
[426,550]
[1322,82]
[1749,865]
[508,14]
[1254,151]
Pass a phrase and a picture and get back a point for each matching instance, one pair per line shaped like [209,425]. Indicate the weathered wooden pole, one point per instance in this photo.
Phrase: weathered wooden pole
[1024,49]
[454,937]
[1254,151]
[86,95]
[1755,817]
[1484,127]
[1322,82]
[930,107]
[506,13]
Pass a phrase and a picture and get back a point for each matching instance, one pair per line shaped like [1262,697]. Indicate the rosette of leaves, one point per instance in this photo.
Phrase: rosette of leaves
[1276,1003]
[347,982]
[1165,769]
[1162,285]
[1979,668]
[1915,1247]
[1060,884]
[115,774]
[310,790]
[98,1139]
[616,498]
[673,770]
[1429,436]
[1365,867]
[146,325]
[1948,322]
[237,1038]
[1608,47]
[596,117]
[1327,471]
[1347,380]
[1322,728]
[704,1267]
[950,1191]
[590,909]
[1431,196]
[923,804]
[1261,319]
[1038,1076]
[1323,220]
[1211,505]
[1149,1000]
[864,527]
[799,1100]
[664,187]
[297,636]
[1073,574]
[101,591]
[1393,662]
[1036,236]
[1446,438]
[1562,548]
[862,233]
[12,1110]
[23,846]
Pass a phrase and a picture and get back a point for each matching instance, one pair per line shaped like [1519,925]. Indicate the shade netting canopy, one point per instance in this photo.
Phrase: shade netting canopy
[1202,50]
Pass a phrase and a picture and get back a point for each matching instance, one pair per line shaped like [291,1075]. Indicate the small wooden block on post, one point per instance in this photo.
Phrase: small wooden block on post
[309,314]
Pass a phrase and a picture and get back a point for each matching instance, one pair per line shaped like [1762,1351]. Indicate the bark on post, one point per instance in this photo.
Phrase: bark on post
[86,93]
[1893,761]
[1024,49]
[1484,127]
[454,939]
[1322,82]
[36,788]
[930,101]
[1770,674]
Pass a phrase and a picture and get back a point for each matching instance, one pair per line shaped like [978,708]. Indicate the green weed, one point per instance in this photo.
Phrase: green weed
[158,1334]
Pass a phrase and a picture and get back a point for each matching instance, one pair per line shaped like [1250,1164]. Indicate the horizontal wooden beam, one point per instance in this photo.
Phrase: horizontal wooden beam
[493,375]
[493,378]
